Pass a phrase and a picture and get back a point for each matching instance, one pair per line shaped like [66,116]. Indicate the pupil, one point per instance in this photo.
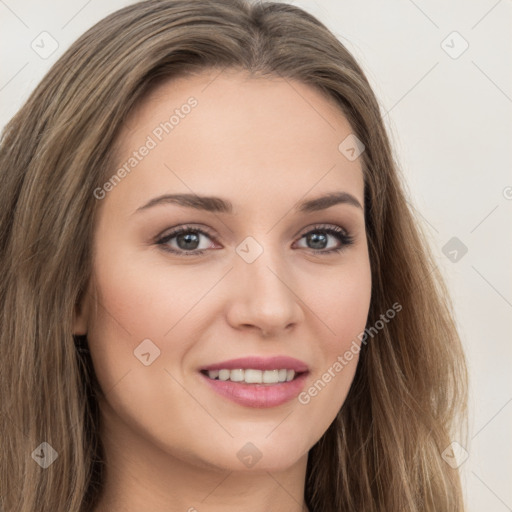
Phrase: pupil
[192,238]
[315,239]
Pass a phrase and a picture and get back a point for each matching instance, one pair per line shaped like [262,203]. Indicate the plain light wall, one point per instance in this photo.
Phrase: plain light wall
[443,77]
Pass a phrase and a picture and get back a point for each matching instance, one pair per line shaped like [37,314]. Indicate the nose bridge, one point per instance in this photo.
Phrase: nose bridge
[265,296]
[259,261]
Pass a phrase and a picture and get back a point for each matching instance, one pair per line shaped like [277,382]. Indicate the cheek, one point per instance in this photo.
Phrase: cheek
[144,300]
[135,310]
[131,308]
[343,304]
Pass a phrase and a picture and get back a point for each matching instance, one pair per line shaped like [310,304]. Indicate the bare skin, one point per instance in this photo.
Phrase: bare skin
[172,443]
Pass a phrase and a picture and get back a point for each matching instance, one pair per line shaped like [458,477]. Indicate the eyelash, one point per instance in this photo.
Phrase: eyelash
[345,238]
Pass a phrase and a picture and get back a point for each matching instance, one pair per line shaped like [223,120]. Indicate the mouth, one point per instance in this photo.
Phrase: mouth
[257,382]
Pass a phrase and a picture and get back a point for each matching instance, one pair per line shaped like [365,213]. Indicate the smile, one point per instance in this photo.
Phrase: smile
[252,376]
[255,381]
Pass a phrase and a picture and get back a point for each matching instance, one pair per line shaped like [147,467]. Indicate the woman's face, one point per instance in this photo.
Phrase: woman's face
[252,281]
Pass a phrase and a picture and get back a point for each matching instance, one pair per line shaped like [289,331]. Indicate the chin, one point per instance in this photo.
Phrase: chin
[252,455]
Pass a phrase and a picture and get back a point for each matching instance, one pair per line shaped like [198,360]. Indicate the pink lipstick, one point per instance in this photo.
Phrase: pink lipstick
[257,381]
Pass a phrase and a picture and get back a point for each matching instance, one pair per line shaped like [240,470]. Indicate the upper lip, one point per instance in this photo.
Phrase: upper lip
[260,363]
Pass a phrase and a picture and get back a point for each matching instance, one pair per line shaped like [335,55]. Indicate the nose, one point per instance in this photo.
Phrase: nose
[265,297]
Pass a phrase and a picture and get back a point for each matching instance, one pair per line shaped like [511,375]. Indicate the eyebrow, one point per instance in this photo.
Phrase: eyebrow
[219,205]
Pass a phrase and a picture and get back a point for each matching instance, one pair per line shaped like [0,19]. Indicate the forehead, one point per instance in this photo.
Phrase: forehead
[224,133]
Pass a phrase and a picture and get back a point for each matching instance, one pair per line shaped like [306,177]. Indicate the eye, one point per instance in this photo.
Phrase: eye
[186,240]
[319,237]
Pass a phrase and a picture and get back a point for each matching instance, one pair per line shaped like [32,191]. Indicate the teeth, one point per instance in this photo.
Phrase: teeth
[224,374]
[236,375]
[251,376]
[270,376]
[213,374]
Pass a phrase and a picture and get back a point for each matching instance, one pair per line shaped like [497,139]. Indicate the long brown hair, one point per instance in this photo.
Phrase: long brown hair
[383,451]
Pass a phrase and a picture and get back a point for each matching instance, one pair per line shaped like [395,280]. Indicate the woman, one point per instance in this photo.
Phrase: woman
[214,295]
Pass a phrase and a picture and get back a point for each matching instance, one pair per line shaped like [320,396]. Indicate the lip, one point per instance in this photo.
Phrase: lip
[260,363]
[258,395]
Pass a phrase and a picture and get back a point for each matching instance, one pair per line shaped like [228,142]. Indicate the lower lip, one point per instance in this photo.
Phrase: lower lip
[258,395]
